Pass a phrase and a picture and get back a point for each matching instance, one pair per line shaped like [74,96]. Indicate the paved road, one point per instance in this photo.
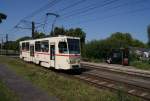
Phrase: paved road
[23,88]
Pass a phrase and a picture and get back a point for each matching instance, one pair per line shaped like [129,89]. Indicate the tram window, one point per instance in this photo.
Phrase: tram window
[44,46]
[74,46]
[23,46]
[62,47]
[37,46]
[27,46]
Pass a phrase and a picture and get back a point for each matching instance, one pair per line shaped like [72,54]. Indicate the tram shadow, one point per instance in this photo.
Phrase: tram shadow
[72,71]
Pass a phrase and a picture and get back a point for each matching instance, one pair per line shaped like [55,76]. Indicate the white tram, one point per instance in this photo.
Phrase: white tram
[62,52]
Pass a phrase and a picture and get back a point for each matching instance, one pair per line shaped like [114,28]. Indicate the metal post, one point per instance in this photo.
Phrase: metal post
[33,30]
[6,44]
[1,46]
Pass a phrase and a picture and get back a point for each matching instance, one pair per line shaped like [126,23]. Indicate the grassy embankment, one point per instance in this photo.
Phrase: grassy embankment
[66,89]
[145,65]
[6,94]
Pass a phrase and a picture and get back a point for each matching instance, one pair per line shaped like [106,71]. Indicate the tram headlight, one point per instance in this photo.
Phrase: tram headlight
[71,61]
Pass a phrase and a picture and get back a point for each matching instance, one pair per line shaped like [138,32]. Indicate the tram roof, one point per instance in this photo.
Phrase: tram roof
[47,38]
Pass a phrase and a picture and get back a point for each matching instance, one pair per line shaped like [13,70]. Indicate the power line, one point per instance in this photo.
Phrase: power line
[50,4]
[71,5]
[115,7]
[89,8]
[62,10]
[117,14]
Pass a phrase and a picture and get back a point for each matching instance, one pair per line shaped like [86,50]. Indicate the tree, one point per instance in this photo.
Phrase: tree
[137,43]
[78,32]
[2,17]
[120,39]
[39,35]
[148,31]
[23,38]
[58,31]
[100,49]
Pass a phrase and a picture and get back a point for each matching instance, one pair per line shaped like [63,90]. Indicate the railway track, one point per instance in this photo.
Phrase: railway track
[115,86]
[132,83]
[123,70]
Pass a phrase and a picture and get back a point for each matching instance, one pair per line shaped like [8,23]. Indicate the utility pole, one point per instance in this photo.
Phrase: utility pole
[33,30]
[6,44]
[2,46]
[2,43]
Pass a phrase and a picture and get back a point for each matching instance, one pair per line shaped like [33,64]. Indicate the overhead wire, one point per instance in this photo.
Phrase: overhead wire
[114,7]
[74,12]
[116,14]
[90,7]
[50,4]
[71,5]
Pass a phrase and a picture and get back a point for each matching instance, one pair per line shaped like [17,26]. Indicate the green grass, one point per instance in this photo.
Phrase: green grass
[6,94]
[145,65]
[66,89]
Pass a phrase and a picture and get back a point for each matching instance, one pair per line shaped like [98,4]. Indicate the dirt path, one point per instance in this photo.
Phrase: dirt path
[23,88]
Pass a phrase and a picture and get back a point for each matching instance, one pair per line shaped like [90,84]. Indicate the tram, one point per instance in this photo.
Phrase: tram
[62,52]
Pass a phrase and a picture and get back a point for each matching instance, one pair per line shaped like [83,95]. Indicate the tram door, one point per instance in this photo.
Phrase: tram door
[32,53]
[52,55]
[32,50]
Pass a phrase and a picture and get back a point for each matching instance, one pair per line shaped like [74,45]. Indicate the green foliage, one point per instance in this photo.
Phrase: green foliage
[137,43]
[39,35]
[148,31]
[96,49]
[59,31]
[145,65]
[100,49]
[23,38]
[14,45]
[119,39]
[77,32]
[2,17]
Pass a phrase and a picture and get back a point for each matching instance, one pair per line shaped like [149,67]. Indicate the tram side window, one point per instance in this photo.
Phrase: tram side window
[23,46]
[44,46]
[62,47]
[27,46]
[38,46]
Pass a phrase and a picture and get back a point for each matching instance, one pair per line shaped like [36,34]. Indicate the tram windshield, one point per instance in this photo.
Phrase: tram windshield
[73,46]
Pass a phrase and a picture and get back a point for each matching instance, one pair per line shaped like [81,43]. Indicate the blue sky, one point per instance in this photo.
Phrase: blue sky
[99,22]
